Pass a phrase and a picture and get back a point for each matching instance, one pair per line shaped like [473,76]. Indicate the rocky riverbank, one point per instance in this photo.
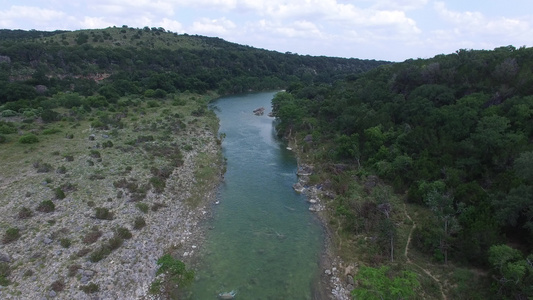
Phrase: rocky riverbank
[112,211]
[336,280]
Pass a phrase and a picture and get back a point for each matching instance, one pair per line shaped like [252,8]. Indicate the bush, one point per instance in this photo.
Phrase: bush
[73,270]
[43,167]
[46,206]
[28,139]
[25,213]
[156,206]
[115,242]
[103,213]
[65,242]
[57,286]
[107,144]
[95,154]
[3,139]
[142,207]
[12,234]
[59,193]
[139,223]
[50,131]
[158,184]
[123,233]
[90,288]
[7,128]
[92,236]
[5,271]
[99,254]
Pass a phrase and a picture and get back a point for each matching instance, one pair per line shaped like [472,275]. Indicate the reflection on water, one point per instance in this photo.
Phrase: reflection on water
[264,243]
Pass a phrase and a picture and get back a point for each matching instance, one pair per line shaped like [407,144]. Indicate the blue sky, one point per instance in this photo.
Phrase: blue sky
[380,29]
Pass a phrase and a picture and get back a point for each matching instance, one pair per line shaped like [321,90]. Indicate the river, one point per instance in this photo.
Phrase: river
[263,242]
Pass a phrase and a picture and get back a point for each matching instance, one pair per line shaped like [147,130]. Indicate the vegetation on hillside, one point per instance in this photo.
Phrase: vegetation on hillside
[452,135]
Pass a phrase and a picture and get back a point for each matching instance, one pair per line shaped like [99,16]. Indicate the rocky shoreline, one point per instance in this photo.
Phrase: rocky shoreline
[336,280]
[42,266]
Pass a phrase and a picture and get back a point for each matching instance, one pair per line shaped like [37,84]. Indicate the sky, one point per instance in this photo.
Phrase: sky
[393,30]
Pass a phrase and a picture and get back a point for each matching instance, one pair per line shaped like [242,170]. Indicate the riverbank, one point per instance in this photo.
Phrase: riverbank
[336,278]
[92,220]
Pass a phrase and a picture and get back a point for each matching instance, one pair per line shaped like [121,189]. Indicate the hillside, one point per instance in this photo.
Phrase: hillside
[432,156]
[134,60]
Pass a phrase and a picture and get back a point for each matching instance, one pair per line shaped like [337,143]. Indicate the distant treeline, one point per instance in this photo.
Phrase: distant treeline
[115,62]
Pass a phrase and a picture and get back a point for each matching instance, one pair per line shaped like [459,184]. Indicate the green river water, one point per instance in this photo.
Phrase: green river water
[263,243]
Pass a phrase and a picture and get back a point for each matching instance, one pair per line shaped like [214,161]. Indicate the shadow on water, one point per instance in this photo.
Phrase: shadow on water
[263,243]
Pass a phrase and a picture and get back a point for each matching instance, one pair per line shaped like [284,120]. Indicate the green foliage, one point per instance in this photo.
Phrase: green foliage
[59,194]
[5,271]
[103,213]
[65,242]
[12,234]
[139,223]
[378,283]
[158,184]
[28,138]
[25,213]
[91,288]
[46,206]
[7,127]
[123,233]
[142,206]
[50,131]
[175,275]
[513,273]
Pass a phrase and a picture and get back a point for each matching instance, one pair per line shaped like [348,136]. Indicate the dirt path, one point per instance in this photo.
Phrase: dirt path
[406,254]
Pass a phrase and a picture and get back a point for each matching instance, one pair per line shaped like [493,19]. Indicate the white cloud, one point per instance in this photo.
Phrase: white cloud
[28,15]
[474,26]
[92,22]
[207,26]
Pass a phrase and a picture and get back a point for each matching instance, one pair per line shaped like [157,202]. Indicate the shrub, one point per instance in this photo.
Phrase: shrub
[61,170]
[123,232]
[95,154]
[158,184]
[3,139]
[59,194]
[8,113]
[46,206]
[99,254]
[44,167]
[29,138]
[50,131]
[156,206]
[25,213]
[57,286]
[90,288]
[92,236]
[7,128]
[103,213]
[73,270]
[65,242]
[5,271]
[107,144]
[115,242]
[11,235]
[142,207]
[139,223]
[83,252]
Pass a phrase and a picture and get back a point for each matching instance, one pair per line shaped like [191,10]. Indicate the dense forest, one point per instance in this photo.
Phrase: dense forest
[148,60]
[451,134]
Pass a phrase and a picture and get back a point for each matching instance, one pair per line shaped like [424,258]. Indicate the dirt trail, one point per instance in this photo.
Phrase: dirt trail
[406,254]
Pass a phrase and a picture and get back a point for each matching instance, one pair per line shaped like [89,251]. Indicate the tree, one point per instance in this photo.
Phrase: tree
[513,272]
[443,207]
[374,283]
[175,275]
